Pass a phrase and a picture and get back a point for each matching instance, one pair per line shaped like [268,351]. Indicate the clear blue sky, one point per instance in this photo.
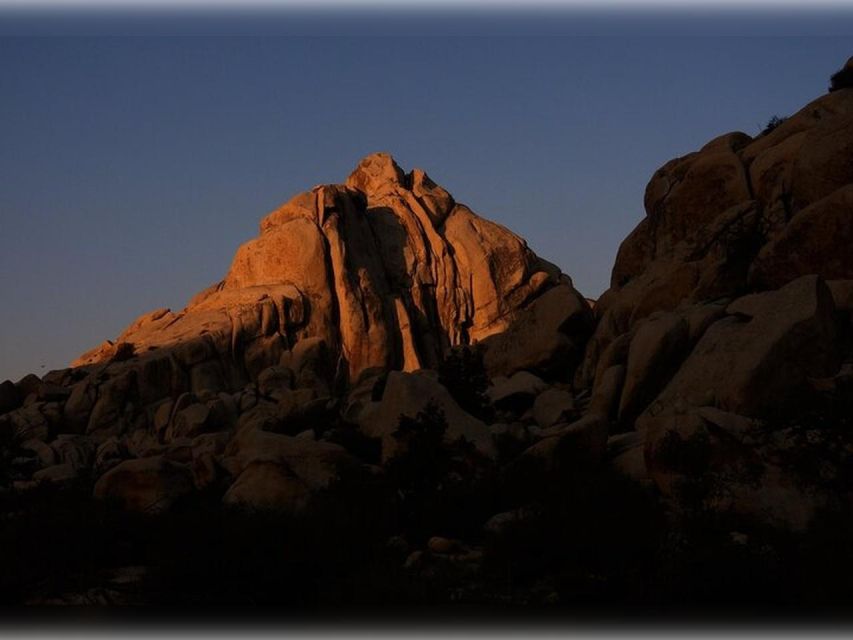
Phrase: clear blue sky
[131,168]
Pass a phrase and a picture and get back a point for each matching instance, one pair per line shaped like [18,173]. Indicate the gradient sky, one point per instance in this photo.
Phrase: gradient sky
[132,167]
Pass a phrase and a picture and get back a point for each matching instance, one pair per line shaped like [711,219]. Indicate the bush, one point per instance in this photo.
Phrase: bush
[774,122]
[443,488]
[418,471]
[842,79]
[593,540]
[463,373]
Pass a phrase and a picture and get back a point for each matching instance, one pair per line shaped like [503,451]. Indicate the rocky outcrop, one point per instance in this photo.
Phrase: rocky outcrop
[318,366]
[739,215]
[322,332]
[387,269]
[725,328]
[760,354]
[385,272]
[399,378]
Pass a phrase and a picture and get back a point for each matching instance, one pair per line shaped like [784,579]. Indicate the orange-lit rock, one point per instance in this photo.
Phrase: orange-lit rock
[387,270]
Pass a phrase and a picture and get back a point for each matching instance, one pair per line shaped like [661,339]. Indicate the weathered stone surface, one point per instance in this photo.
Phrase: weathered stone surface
[284,473]
[842,294]
[28,386]
[29,422]
[760,360]
[9,398]
[759,356]
[708,458]
[56,475]
[626,454]
[75,450]
[148,485]
[190,421]
[386,271]
[656,350]
[407,394]
[553,406]
[689,192]
[79,405]
[109,454]
[547,337]
[605,396]
[815,241]
[274,380]
[517,392]
[49,392]
[111,413]
[565,452]
[46,456]
[740,213]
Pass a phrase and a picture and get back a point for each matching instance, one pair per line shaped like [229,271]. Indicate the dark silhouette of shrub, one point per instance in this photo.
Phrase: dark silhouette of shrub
[774,122]
[443,488]
[463,373]
[417,473]
[593,541]
[842,79]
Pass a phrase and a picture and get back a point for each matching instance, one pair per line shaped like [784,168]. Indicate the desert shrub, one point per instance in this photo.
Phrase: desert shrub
[594,540]
[417,472]
[463,373]
[819,430]
[842,79]
[443,488]
[774,122]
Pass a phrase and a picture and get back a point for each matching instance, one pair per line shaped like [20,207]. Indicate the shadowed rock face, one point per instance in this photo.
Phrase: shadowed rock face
[741,214]
[387,269]
[727,327]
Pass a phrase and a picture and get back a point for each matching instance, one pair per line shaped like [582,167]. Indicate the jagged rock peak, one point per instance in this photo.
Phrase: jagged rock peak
[386,270]
[376,172]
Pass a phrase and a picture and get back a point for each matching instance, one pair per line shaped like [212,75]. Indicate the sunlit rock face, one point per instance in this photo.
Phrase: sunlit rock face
[387,270]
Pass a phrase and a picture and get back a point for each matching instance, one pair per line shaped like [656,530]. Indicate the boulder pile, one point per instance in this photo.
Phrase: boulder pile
[380,342]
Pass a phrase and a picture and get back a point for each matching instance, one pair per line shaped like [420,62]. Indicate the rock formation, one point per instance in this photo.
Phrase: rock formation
[728,301]
[379,343]
[388,270]
[344,284]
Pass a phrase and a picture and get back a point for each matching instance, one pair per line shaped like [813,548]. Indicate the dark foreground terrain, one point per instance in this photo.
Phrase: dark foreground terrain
[391,409]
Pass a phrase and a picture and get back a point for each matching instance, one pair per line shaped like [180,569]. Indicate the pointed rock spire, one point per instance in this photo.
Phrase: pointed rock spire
[376,173]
